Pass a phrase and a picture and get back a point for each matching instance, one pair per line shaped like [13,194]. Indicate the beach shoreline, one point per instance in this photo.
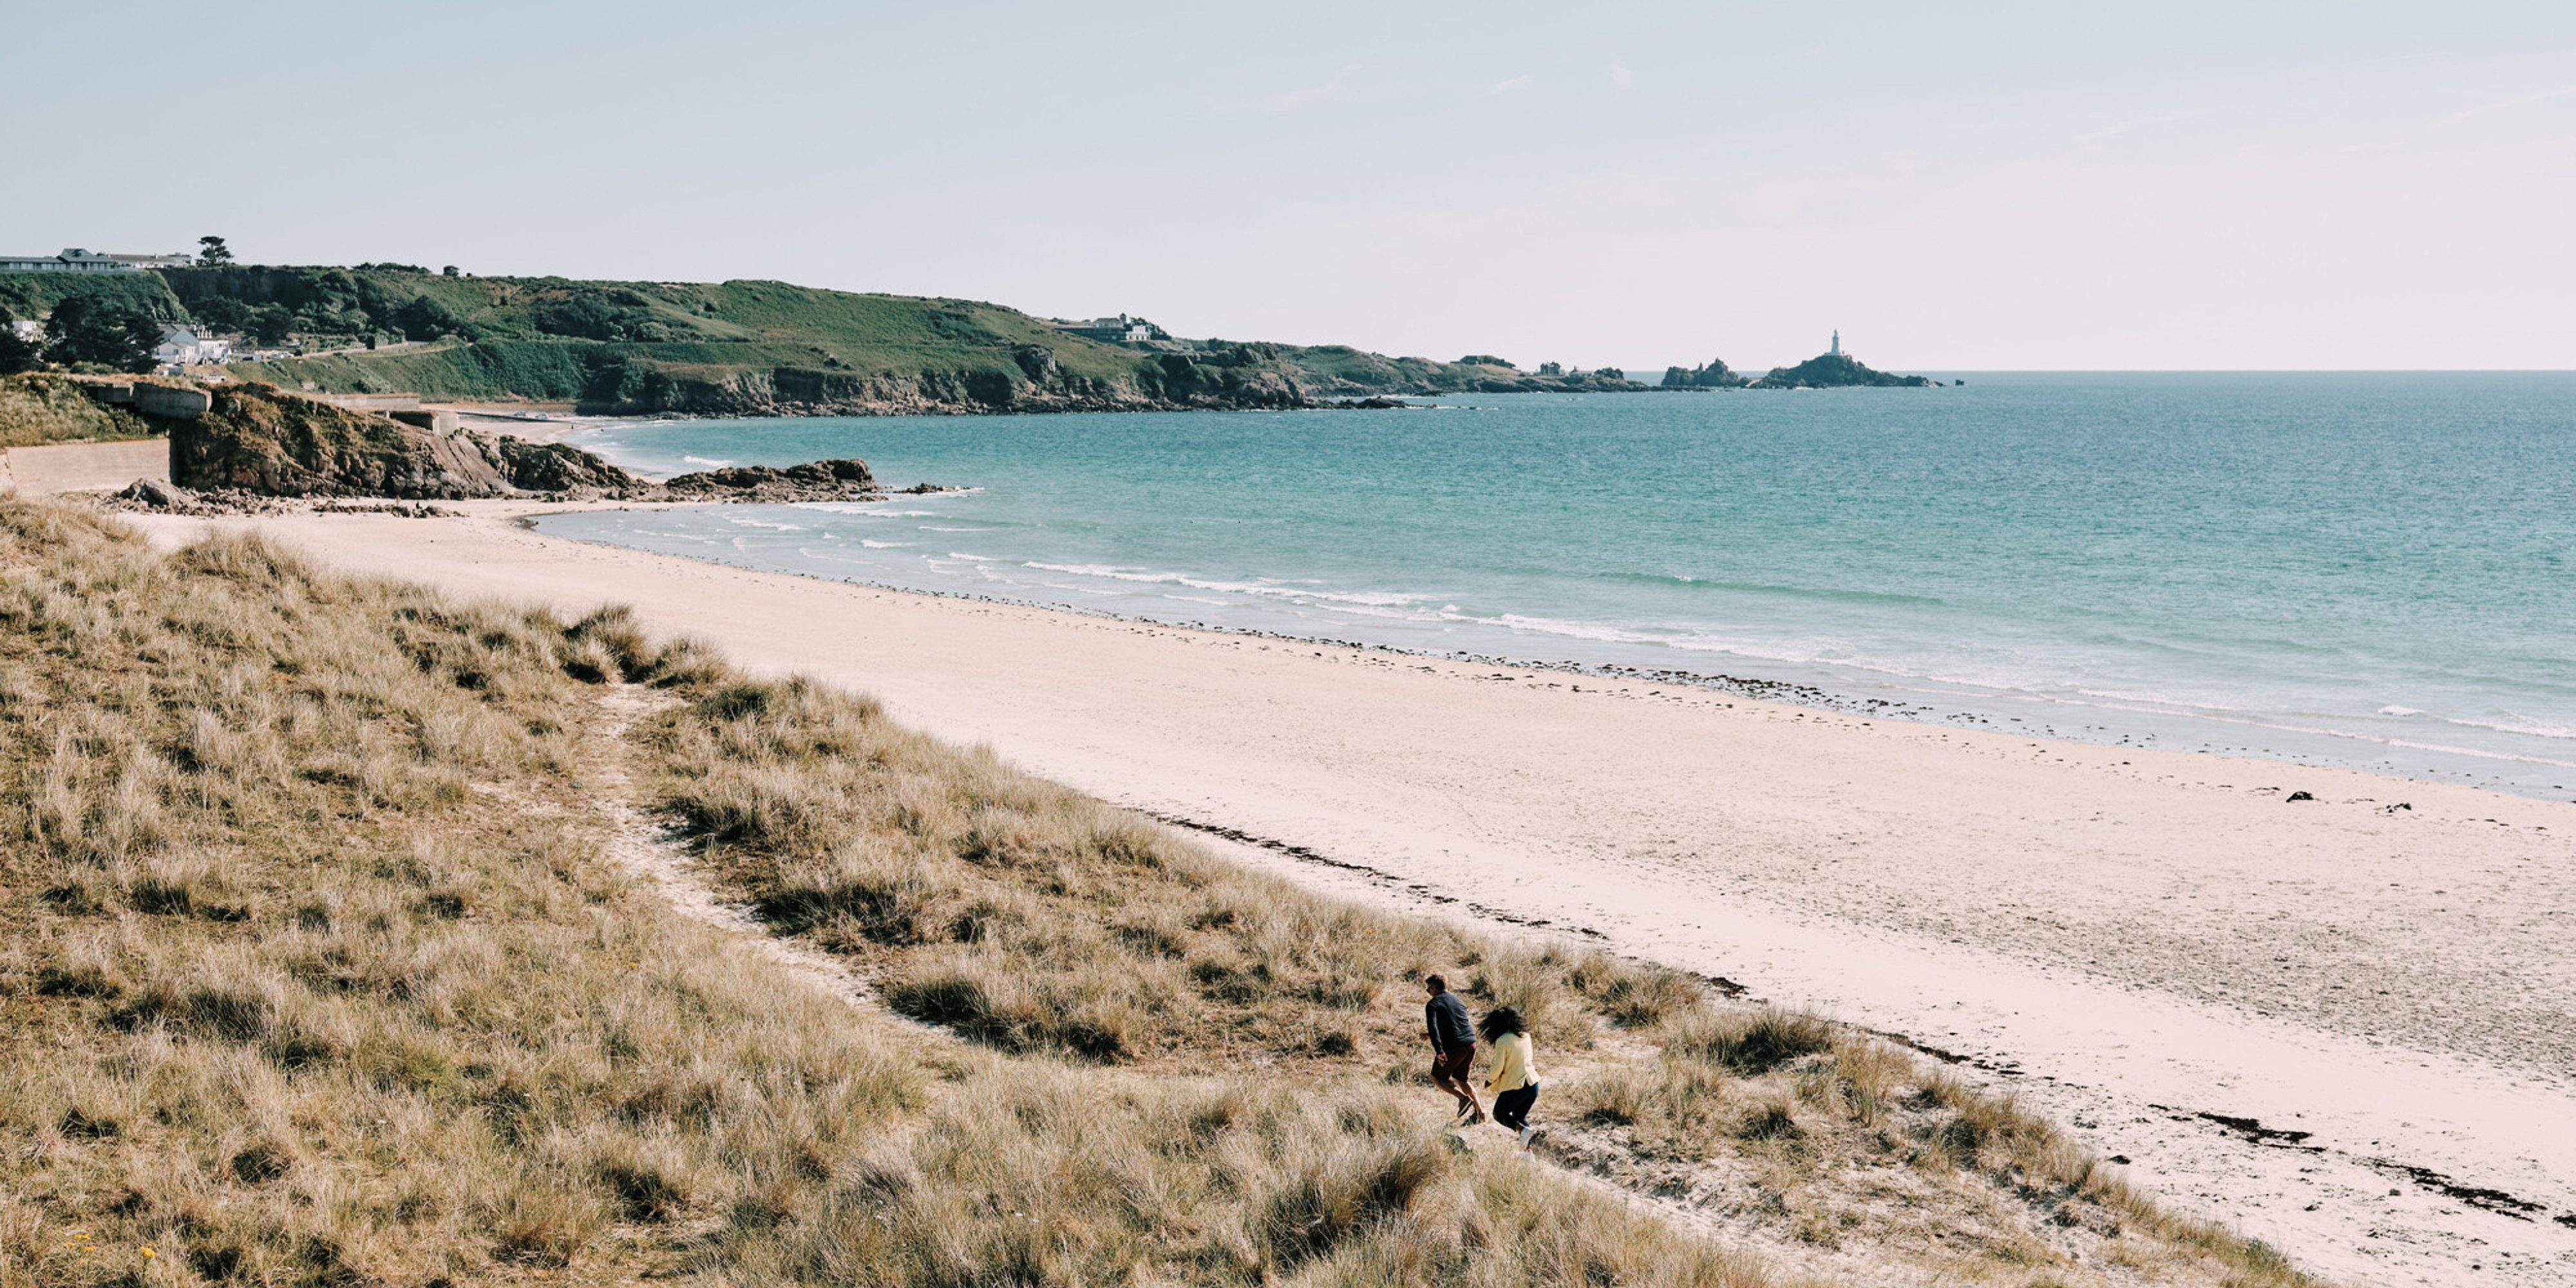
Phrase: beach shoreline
[2158,948]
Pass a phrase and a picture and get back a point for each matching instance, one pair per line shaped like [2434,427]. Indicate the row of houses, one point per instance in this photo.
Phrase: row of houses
[77,260]
[181,346]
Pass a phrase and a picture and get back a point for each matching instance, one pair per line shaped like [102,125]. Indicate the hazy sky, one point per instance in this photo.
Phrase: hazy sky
[1955,187]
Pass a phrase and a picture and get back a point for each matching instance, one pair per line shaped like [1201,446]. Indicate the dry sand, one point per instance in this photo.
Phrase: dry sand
[2142,943]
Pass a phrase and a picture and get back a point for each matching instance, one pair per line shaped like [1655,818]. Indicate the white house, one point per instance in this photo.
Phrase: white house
[28,329]
[181,346]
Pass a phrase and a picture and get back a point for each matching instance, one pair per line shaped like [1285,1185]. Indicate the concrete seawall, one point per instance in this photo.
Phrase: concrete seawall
[83,467]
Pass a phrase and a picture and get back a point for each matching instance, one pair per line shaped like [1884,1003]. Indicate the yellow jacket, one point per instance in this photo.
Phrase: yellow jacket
[1512,1067]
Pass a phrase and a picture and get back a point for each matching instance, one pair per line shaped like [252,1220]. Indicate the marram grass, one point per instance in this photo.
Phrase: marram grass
[318,972]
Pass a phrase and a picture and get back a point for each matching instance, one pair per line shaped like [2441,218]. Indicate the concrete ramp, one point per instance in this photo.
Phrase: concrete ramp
[83,467]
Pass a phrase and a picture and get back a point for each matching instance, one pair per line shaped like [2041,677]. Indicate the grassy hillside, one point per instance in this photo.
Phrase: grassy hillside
[336,952]
[646,346]
[743,347]
[751,346]
[37,408]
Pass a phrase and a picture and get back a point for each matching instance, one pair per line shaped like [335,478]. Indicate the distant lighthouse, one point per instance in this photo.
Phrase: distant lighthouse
[1837,350]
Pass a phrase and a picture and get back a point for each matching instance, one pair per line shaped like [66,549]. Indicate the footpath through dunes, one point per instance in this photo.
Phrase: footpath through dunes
[2338,1023]
[360,934]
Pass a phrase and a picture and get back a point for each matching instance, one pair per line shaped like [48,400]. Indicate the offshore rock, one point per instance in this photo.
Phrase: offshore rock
[1836,371]
[838,480]
[1715,375]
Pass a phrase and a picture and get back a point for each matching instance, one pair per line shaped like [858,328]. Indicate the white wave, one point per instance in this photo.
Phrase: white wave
[927,528]
[2519,723]
[883,545]
[1601,631]
[960,554]
[1273,590]
[706,460]
[2394,710]
[741,522]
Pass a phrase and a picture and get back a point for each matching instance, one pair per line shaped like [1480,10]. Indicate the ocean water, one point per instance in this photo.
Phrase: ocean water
[2370,570]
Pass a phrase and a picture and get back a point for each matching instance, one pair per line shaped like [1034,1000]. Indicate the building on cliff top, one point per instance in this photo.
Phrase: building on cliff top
[77,260]
[1120,329]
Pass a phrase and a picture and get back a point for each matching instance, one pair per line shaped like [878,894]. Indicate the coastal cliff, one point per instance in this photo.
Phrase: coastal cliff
[758,348]
[766,348]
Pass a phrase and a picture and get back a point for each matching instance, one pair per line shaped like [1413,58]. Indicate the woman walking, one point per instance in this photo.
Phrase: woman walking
[1514,1084]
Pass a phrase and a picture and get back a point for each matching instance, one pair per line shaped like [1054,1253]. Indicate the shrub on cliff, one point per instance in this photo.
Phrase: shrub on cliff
[17,352]
[118,337]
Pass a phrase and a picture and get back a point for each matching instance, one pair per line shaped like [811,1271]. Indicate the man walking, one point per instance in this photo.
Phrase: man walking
[1453,1048]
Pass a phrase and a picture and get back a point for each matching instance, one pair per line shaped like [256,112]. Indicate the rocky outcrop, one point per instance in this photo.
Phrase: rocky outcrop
[554,467]
[1836,371]
[1715,375]
[261,441]
[841,480]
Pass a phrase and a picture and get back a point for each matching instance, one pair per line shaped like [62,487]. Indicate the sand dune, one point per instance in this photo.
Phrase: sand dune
[2146,943]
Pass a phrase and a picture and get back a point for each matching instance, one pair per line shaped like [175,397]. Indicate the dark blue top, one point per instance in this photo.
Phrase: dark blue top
[1448,1019]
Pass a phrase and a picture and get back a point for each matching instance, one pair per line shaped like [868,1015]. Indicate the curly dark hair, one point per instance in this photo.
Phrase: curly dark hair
[1499,1021]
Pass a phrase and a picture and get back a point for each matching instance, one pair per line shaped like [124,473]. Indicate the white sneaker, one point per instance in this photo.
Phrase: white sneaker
[1523,1138]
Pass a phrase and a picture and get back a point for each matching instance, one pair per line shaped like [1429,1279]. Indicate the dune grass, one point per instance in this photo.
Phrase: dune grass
[319,970]
[1033,920]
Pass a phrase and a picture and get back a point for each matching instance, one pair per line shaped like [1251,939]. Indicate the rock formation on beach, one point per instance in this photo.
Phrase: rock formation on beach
[259,441]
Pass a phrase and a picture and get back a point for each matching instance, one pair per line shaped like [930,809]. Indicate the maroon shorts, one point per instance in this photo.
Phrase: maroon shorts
[1452,1063]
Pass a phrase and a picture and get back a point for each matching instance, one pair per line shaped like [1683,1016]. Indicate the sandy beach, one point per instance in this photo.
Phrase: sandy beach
[2342,1024]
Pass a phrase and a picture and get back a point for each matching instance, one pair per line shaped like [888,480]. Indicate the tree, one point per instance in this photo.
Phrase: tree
[119,337]
[269,323]
[426,319]
[17,353]
[214,254]
[222,312]
[450,270]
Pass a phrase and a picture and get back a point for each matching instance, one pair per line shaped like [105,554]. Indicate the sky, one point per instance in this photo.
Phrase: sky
[1957,187]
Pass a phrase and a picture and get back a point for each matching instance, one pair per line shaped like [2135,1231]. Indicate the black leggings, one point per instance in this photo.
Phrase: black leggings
[1511,1108]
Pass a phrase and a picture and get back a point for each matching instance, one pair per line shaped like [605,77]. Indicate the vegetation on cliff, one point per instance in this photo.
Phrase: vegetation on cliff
[38,408]
[35,295]
[743,347]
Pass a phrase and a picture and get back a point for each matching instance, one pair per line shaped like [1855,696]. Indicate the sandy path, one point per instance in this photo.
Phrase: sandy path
[2136,938]
[638,845]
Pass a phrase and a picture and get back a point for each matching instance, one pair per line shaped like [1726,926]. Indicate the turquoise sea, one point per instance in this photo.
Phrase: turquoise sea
[2371,570]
